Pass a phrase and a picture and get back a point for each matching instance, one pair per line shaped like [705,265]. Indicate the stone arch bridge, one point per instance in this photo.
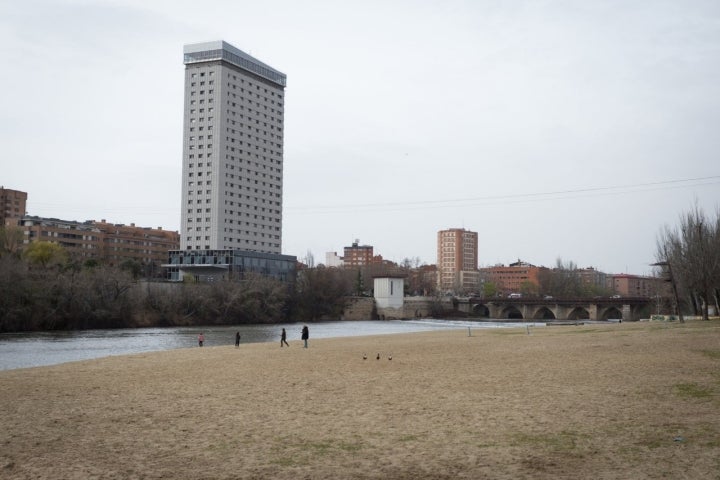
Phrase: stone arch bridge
[628,308]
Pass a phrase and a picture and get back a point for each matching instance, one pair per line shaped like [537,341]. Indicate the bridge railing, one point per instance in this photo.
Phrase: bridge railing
[560,301]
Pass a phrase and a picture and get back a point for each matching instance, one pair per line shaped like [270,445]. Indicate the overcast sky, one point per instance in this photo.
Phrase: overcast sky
[571,129]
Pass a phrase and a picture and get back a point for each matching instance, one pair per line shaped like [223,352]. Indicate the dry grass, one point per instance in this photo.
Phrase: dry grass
[634,400]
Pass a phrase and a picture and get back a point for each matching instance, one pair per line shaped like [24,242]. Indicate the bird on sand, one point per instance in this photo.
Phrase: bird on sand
[378,357]
[364,356]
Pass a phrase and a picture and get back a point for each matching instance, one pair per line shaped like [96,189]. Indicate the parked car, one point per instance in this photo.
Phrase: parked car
[515,295]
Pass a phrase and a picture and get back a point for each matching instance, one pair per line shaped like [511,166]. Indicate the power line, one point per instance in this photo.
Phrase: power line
[511,198]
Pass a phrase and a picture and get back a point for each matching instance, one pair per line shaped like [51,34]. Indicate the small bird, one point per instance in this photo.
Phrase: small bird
[364,356]
[378,357]
[390,357]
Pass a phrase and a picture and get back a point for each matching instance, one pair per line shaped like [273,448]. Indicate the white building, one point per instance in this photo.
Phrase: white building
[389,292]
[232,174]
[332,259]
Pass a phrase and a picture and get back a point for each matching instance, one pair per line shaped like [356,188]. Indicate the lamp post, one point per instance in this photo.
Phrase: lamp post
[674,287]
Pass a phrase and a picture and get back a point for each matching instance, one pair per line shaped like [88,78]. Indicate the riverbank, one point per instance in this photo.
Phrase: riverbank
[629,400]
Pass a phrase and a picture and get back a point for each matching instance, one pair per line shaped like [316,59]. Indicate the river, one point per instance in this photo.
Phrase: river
[34,349]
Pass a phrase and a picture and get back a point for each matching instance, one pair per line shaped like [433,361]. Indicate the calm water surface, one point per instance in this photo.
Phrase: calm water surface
[20,350]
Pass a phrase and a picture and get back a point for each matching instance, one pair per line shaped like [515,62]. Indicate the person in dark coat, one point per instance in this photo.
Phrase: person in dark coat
[237,339]
[305,335]
[283,338]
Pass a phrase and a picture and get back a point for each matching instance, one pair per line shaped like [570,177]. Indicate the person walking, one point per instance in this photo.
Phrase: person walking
[283,338]
[305,335]
[201,339]
[237,339]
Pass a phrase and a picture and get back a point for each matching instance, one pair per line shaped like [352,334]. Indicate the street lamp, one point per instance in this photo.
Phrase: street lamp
[674,287]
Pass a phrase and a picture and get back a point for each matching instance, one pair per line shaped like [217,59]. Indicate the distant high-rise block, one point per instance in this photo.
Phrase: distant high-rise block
[12,206]
[232,174]
[359,255]
[457,260]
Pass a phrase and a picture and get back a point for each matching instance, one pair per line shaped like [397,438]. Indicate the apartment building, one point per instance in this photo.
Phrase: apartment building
[12,206]
[232,167]
[637,286]
[332,259]
[358,255]
[591,276]
[232,172]
[513,278]
[457,260]
[102,241]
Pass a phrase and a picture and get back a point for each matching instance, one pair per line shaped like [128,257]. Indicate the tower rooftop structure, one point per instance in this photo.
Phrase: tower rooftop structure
[221,50]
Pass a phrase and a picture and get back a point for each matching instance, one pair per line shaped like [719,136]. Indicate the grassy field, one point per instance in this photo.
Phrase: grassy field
[618,401]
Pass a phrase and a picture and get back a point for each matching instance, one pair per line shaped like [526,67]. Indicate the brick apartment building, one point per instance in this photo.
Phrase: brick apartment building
[591,276]
[457,260]
[12,206]
[358,255]
[512,278]
[637,286]
[105,242]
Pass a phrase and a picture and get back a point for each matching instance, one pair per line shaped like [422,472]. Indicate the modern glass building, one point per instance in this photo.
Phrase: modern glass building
[214,265]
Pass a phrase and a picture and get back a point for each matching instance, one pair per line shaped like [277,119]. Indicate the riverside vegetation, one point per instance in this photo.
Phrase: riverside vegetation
[42,287]
[63,294]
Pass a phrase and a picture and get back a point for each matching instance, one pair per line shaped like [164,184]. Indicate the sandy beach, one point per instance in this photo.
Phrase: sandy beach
[620,401]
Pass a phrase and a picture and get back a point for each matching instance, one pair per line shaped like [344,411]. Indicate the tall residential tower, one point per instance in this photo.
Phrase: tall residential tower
[457,260]
[232,168]
[232,174]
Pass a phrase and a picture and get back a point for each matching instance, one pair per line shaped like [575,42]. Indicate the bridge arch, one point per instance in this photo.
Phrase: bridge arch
[610,312]
[511,312]
[578,313]
[543,313]
[481,310]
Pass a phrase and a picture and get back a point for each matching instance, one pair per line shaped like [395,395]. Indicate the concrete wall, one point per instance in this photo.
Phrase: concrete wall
[359,308]
[365,308]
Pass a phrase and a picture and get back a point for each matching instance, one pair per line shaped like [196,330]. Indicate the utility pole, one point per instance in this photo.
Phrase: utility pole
[676,298]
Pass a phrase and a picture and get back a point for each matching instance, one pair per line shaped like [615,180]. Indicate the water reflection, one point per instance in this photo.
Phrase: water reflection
[34,349]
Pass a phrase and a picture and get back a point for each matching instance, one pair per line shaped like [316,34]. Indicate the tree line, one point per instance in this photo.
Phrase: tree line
[42,287]
[689,256]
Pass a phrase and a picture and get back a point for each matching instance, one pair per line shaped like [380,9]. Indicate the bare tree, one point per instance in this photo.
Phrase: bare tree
[321,292]
[561,281]
[691,254]
[310,259]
